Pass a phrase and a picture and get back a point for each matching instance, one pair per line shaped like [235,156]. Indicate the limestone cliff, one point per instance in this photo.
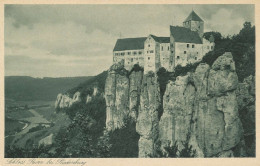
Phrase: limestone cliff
[200,108]
[148,121]
[122,94]
[65,101]
[204,105]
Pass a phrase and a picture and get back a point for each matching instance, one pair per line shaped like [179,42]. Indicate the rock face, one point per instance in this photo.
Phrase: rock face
[64,101]
[135,81]
[246,106]
[116,95]
[148,121]
[122,94]
[89,96]
[175,123]
[200,108]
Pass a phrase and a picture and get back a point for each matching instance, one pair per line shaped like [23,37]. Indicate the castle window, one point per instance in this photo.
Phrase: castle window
[162,48]
[199,27]
[148,58]
[134,53]
[140,52]
[211,47]
[172,51]
[132,59]
[184,52]
[193,45]
[188,45]
[122,53]
[178,57]
[195,58]
[147,52]
[129,53]
[148,45]
[151,51]
[168,48]
[197,52]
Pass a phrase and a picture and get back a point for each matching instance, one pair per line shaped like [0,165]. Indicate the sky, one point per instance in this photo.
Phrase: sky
[77,40]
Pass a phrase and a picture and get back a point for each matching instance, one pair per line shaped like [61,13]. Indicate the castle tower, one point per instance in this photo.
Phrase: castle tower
[194,23]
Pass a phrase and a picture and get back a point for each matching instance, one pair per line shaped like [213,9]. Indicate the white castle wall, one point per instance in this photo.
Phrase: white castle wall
[186,53]
[165,53]
[151,55]
[130,57]
[207,46]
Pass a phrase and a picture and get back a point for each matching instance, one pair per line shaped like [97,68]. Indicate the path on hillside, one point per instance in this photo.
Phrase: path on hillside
[33,122]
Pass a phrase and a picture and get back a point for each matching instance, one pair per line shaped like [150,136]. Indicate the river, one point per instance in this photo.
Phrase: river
[33,122]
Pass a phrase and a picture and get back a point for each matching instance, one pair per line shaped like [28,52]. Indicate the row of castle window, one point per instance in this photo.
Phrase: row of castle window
[178,57]
[150,51]
[186,52]
[129,53]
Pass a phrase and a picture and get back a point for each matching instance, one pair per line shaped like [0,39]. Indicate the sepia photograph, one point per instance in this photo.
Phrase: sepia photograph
[129,81]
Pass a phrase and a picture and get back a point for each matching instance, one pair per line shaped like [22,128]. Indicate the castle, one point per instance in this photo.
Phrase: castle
[185,45]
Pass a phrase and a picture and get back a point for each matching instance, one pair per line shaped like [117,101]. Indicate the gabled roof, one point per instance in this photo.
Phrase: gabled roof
[129,44]
[161,39]
[185,35]
[193,17]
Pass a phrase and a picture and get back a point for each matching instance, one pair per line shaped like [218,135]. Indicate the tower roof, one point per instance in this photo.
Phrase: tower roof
[193,17]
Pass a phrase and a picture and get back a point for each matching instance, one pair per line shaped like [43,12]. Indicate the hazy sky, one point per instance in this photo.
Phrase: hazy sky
[77,40]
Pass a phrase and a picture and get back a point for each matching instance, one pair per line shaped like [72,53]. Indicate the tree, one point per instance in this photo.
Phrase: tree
[216,35]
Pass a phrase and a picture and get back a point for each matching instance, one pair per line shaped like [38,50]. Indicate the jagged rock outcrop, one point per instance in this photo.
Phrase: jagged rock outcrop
[122,94]
[203,106]
[178,108]
[135,82]
[116,95]
[64,100]
[147,125]
[200,108]
[89,96]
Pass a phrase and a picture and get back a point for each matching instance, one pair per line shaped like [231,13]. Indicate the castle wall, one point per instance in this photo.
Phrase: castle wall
[186,53]
[165,55]
[207,46]
[151,55]
[130,57]
[172,53]
[118,56]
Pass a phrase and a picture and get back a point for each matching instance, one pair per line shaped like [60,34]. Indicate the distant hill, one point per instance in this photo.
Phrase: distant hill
[86,87]
[25,88]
